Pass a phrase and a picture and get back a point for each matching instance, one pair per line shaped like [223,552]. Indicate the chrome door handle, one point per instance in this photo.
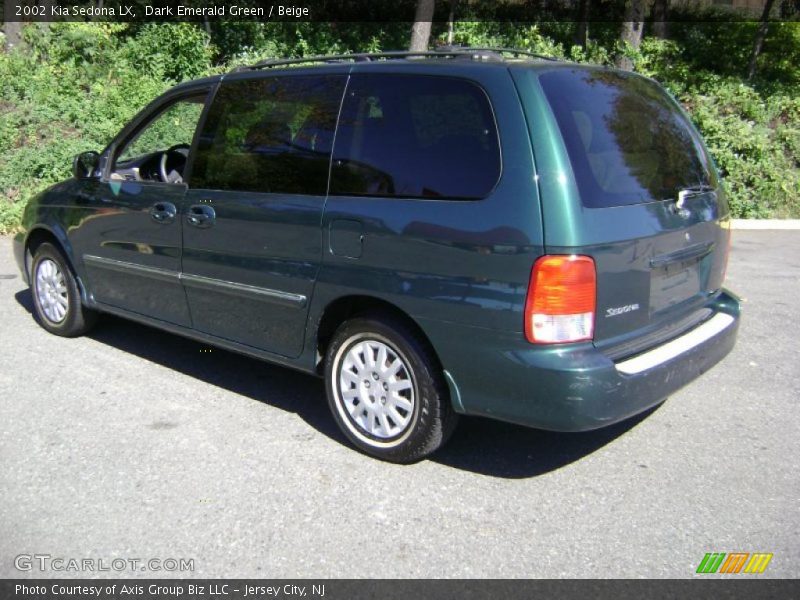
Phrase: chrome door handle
[201,216]
[163,212]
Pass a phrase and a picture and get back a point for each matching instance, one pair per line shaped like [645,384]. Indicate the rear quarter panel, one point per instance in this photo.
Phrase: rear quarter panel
[622,239]
[464,263]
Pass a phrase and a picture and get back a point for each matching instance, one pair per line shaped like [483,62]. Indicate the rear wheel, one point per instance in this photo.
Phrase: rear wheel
[56,297]
[386,391]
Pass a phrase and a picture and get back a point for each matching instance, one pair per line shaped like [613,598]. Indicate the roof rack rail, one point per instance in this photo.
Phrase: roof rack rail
[447,51]
[330,58]
[498,51]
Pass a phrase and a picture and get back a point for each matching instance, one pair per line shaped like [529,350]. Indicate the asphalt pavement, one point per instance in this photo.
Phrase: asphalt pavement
[131,443]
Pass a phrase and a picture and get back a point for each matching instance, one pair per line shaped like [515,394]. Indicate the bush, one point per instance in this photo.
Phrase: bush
[751,131]
[504,35]
[72,91]
[171,51]
[77,84]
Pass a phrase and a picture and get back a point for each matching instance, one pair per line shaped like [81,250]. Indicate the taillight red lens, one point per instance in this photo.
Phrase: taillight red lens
[562,295]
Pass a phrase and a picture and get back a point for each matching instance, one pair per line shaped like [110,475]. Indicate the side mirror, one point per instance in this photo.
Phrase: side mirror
[84,164]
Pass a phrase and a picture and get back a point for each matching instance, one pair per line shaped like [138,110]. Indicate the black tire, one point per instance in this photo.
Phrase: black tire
[431,419]
[76,319]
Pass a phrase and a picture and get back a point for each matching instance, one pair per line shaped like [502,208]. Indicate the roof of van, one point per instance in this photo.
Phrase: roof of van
[450,55]
[459,57]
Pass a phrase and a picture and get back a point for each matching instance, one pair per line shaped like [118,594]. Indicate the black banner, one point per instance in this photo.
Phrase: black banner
[364,11]
[387,589]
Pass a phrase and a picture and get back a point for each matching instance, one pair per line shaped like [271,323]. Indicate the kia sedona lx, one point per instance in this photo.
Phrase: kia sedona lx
[466,231]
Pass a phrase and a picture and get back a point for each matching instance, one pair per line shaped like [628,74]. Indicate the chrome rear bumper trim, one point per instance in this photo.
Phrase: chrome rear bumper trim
[676,347]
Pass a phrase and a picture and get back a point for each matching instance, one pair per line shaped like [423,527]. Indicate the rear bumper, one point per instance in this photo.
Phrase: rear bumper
[578,388]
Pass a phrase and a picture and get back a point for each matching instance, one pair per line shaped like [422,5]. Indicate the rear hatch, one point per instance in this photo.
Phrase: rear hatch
[626,179]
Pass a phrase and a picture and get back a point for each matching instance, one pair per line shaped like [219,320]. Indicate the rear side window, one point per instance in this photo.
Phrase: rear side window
[415,137]
[627,140]
[270,135]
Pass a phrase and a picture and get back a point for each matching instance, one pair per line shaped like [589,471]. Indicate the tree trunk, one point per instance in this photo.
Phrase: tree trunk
[660,19]
[761,35]
[582,25]
[421,31]
[631,33]
[451,22]
[13,31]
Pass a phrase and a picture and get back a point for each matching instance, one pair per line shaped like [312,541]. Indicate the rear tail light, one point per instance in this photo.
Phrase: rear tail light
[561,300]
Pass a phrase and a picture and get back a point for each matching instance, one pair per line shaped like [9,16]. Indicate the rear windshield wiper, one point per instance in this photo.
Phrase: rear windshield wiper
[695,190]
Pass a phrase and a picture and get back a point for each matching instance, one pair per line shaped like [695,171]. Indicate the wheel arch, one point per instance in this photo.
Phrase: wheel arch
[344,308]
[40,234]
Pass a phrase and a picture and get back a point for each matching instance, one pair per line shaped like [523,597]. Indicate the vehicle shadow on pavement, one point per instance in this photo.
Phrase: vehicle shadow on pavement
[511,451]
[479,445]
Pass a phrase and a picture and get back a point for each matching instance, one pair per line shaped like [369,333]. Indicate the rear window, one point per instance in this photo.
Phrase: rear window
[627,140]
[415,137]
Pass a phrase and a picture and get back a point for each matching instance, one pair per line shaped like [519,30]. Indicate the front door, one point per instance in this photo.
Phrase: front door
[252,242]
[132,243]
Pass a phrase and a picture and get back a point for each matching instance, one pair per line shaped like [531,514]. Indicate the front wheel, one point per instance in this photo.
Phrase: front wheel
[386,391]
[56,297]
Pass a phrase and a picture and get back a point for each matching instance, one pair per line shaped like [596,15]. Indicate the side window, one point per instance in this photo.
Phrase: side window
[270,135]
[159,150]
[415,137]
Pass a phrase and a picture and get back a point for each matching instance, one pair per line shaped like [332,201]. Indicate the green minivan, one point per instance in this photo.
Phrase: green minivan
[465,231]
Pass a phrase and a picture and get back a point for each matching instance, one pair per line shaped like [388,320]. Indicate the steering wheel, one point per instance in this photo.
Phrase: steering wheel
[172,163]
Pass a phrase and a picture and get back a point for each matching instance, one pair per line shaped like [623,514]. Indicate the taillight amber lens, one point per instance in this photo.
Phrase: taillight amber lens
[561,302]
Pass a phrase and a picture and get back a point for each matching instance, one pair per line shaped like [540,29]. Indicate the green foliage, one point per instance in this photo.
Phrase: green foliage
[288,39]
[172,51]
[173,127]
[752,131]
[504,35]
[77,84]
[593,53]
[61,98]
[711,41]
[781,57]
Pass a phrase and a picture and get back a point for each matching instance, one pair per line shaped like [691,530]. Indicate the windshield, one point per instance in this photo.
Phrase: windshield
[627,140]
